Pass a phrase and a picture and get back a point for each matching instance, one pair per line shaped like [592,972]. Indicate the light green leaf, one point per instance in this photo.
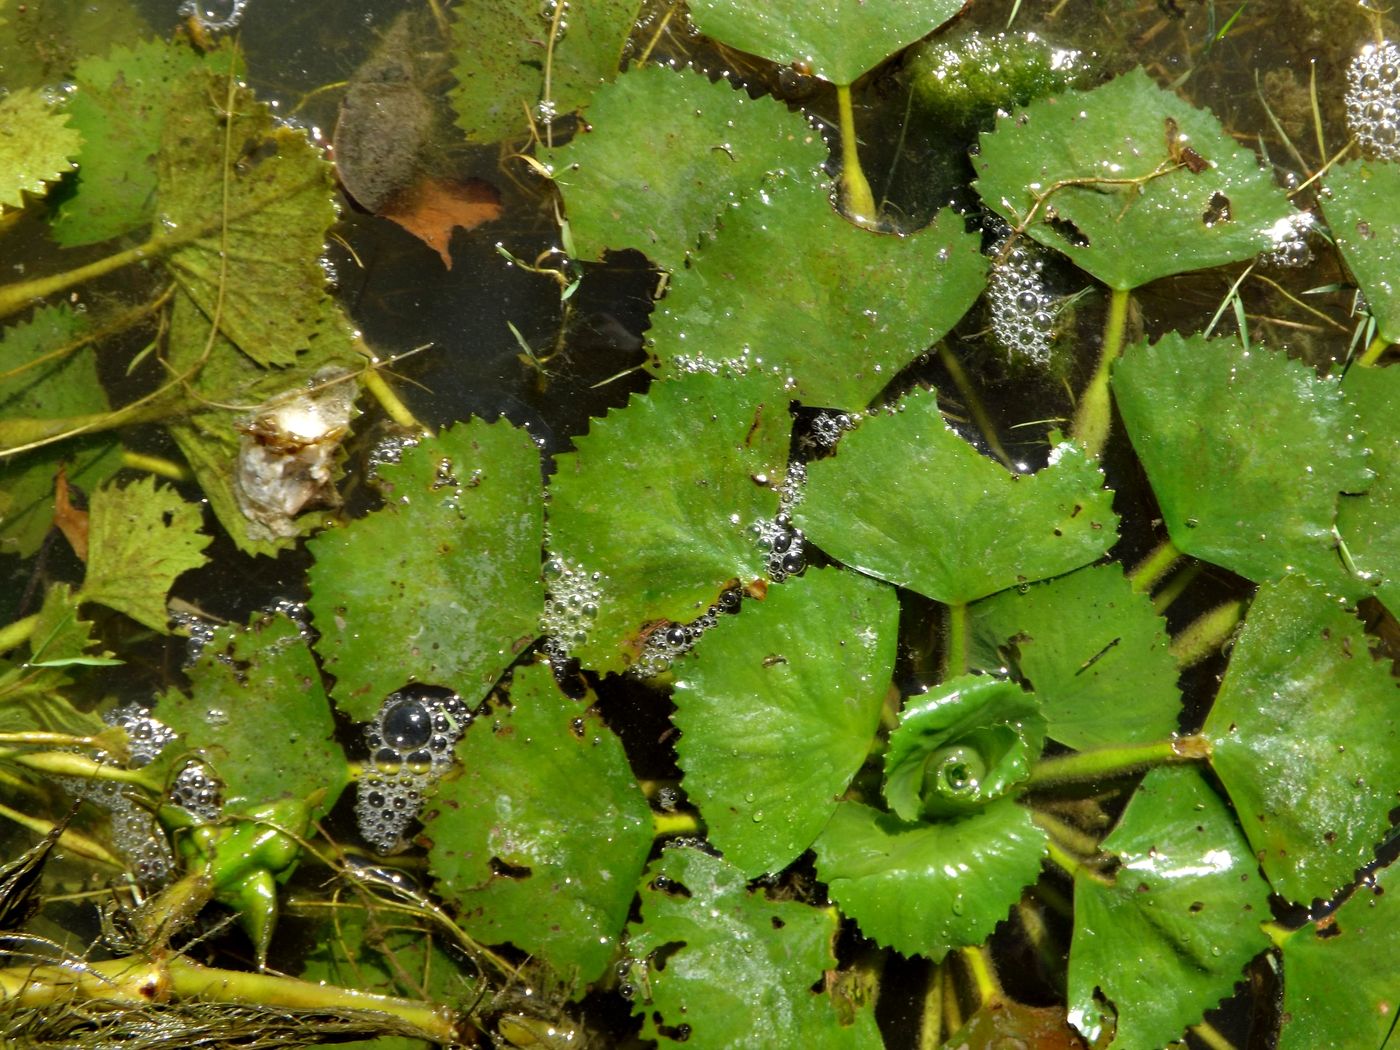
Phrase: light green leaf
[541,840]
[667,153]
[1096,653]
[1128,233]
[32,688]
[36,146]
[445,577]
[1256,490]
[662,498]
[907,500]
[1339,977]
[720,967]
[1370,524]
[49,375]
[520,60]
[1167,938]
[837,41]
[1305,735]
[925,889]
[259,717]
[777,710]
[1364,216]
[833,326]
[140,538]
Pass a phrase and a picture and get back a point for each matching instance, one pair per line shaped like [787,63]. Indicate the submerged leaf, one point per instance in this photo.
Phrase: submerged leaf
[443,580]
[140,539]
[1370,524]
[718,966]
[831,328]
[1305,734]
[1362,205]
[36,146]
[541,840]
[925,889]
[1167,938]
[835,41]
[32,689]
[777,710]
[907,500]
[1122,199]
[433,209]
[667,152]
[1255,491]
[662,498]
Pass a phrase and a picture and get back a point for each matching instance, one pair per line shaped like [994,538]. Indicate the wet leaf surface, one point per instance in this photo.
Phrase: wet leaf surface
[907,500]
[662,498]
[1129,234]
[542,839]
[1362,211]
[1170,937]
[718,966]
[1096,654]
[706,144]
[778,708]
[37,146]
[1370,524]
[835,325]
[1257,490]
[925,889]
[442,584]
[1306,739]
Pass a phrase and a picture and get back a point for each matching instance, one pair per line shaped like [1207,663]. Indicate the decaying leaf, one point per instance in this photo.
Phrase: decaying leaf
[71,521]
[433,208]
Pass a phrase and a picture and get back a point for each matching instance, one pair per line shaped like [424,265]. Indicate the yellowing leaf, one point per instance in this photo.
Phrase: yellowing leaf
[36,146]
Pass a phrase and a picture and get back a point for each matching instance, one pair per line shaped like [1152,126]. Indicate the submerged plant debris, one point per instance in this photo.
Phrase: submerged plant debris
[907,593]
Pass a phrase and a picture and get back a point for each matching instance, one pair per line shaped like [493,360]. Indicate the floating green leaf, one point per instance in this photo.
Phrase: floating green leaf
[1370,524]
[1168,936]
[1096,653]
[925,889]
[1339,981]
[907,500]
[36,146]
[1364,216]
[1306,739]
[257,714]
[1099,170]
[541,840]
[777,710]
[140,538]
[520,60]
[721,967]
[836,41]
[119,105]
[832,327]
[662,498]
[442,584]
[961,745]
[49,375]
[669,151]
[1256,490]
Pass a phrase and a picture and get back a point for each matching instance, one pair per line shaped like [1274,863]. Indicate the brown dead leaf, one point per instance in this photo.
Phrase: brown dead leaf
[71,521]
[433,208]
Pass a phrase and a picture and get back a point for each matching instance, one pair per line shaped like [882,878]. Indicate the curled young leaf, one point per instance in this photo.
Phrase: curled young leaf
[957,748]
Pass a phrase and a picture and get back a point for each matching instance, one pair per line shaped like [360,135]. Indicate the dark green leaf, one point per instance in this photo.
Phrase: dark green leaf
[720,967]
[832,326]
[1370,524]
[444,580]
[1256,490]
[1096,653]
[925,889]
[1362,205]
[777,710]
[257,714]
[1167,938]
[541,840]
[1306,739]
[662,498]
[36,146]
[1076,150]
[907,500]
[705,145]
[46,38]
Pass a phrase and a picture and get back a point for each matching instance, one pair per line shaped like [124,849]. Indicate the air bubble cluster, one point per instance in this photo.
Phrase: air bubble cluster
[1023,313]
[135,833]
[1290,241]
[199,633]
[410,745]
[1373,99]
[666,643]
[572,596]
[210,19]
[146,737]
[826,429]
[198,791]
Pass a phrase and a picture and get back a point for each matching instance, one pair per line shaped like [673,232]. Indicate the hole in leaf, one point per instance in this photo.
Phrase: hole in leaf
[509,871]
[1071,233]
[1217,209]
[670,887]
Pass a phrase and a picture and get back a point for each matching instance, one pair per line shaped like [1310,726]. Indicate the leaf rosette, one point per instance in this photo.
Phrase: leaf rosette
[967,743]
